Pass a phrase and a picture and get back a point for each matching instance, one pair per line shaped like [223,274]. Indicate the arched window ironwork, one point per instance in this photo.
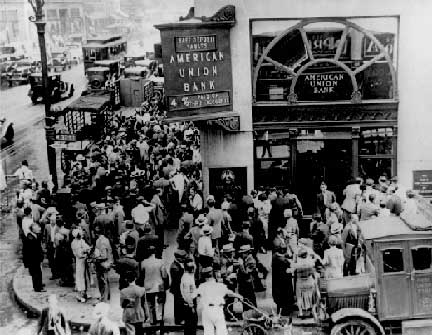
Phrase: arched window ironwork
[312,60]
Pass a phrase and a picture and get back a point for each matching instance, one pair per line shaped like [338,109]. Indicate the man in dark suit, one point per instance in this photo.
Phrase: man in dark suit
[176,273]
[324,199]
[276,218]
[34,256]
[144,243]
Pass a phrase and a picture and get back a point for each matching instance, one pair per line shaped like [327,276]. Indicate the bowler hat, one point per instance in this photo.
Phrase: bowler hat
[207,269]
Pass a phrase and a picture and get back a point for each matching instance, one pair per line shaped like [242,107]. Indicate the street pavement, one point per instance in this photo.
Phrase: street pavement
[30,144]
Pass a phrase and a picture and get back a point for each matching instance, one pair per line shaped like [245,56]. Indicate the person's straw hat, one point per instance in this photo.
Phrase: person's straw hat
[245,248]
[228,248]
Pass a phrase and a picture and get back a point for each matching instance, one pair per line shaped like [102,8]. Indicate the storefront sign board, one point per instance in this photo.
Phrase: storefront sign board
[197,68]
[423,182]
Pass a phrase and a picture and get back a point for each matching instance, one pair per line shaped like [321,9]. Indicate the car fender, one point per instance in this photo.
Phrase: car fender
[347,313]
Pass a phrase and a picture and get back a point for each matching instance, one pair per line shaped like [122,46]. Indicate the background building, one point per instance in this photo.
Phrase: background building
[15,28]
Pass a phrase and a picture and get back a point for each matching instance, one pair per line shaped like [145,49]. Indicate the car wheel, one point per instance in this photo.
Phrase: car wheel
[354,327]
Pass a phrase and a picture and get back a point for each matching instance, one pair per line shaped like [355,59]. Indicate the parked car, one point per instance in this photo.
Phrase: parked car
[58,89]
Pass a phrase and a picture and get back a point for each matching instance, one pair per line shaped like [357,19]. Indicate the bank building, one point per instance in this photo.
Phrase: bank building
[292,93]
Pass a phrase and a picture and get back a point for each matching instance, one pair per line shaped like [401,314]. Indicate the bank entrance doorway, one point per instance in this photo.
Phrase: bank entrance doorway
[327,159]
[303,161]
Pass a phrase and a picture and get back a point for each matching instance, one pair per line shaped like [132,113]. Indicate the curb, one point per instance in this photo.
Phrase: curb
[167,327]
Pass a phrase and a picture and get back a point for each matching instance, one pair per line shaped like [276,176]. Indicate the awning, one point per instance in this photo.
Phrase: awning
[228,121]
[90,103]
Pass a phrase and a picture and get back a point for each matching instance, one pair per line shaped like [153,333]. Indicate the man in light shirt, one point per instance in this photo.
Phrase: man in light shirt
[212,298]
[27,221]
[189,293]
[24,173]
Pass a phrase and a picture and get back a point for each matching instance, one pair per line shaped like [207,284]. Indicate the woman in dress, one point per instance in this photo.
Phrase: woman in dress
[291,230]
[333,259]
[307,291]
[80,250]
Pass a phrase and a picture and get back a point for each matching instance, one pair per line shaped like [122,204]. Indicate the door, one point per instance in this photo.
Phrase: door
[326,160]
[421,277]
[393,280]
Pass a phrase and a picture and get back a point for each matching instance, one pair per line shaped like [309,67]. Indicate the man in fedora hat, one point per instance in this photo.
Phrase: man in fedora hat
[244,237]
[154,278]
[130,231]
[176,273]
[127,263]
[104,260]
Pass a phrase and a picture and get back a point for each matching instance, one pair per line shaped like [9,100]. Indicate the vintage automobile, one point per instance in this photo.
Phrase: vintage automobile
[136,71]
[397,283]
[20,72]
[97,77]
[130,59]
[58,89]
[113,65]
[61,60]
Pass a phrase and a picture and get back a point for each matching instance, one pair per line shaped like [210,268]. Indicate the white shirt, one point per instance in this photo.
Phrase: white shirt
[24,173]
[205,246]
[26,223]
[197,202]
[140,214]
[212,293]
[188,288]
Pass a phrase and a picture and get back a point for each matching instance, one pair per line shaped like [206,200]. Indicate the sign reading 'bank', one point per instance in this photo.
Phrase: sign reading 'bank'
[197,66]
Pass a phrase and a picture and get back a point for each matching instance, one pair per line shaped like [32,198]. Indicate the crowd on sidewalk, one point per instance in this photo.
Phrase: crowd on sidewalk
[123,192]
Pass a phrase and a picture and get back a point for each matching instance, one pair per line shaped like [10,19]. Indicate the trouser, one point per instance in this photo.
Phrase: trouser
[36,274]
[213,320]
[191,320]
[51,260]
[103,283]
[266,148]
[205,261]
[134,328]
[155,303]
[178,308]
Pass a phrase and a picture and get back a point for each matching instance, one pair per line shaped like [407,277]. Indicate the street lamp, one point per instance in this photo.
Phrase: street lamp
[38,19]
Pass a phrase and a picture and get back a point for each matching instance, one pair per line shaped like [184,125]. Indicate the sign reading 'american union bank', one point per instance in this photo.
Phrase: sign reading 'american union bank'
[197,68]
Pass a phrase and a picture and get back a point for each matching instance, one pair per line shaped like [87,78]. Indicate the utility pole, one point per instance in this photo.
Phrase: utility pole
[38,19]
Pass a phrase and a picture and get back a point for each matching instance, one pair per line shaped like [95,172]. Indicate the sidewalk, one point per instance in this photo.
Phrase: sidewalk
[80,314]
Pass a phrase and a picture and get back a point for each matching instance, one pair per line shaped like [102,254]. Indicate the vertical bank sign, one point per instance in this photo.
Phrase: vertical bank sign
[197,68]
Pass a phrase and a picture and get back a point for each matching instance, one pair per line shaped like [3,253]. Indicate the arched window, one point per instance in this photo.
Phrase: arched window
[317,60]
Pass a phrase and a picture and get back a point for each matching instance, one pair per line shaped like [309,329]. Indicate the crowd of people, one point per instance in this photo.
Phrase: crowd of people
[122,193]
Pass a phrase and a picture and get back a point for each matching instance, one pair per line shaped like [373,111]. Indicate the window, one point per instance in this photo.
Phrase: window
[377,141]
[393,260]
[422,258]
[376,152]
[75,12]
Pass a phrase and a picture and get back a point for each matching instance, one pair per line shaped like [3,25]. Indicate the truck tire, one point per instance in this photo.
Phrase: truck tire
[354,326]
[96,84]
[34,98]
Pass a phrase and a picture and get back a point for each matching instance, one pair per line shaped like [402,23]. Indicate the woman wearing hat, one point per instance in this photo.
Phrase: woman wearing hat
[333,259]
[307,291]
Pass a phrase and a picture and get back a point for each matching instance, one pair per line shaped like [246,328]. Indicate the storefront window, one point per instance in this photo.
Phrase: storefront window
[376,141]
